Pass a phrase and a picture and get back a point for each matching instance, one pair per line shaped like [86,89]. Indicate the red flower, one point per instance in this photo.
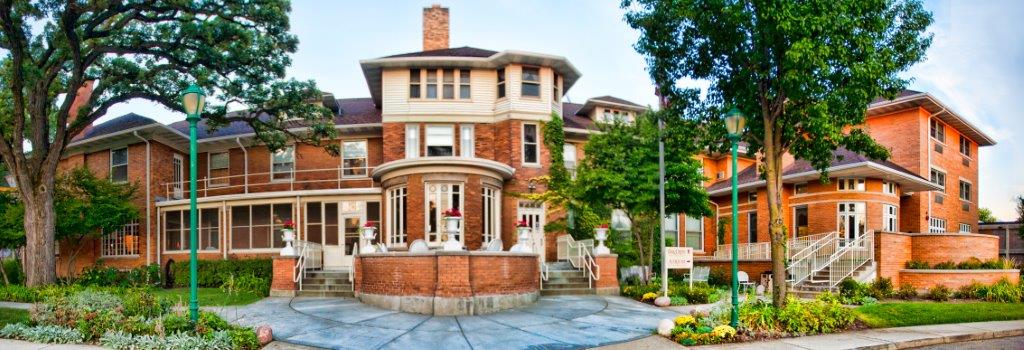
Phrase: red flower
[522,223]
[370,224]
[453,212]
[288,224]
[602,226]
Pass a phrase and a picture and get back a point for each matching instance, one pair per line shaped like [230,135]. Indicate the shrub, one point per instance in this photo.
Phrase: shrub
[244,339]
[946,265]
[906,292]
[997,264]
[15,275]
[213,273]
[677,300]
[822,315]
[119,340]
[700,293]
[971,291]
[939,293]
[969,264]
[758,315]
[174,323]
[881,288]
[719,277]
[637,291]
[1004,291]
[850,288]
[105,276]
[917,265]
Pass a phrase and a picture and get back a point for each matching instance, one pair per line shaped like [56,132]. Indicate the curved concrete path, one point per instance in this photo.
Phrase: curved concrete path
[558,322]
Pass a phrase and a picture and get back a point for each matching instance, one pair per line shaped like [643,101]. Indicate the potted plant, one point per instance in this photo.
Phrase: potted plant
[451,218]
[601,234]
[369,233]
[288,236]
[523,241]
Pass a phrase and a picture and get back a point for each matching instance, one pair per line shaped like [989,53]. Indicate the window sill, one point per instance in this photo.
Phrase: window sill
[943,143]
[189,251]
[530,165]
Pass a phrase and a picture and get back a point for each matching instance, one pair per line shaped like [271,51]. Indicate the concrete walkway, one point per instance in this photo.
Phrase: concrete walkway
[558,322]
[883,338]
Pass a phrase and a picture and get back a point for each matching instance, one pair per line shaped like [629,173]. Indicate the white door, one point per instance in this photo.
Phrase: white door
[533,214]
[334,248]
[852,220]
[177,175]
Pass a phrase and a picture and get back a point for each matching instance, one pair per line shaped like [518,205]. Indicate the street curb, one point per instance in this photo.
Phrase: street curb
[939,340]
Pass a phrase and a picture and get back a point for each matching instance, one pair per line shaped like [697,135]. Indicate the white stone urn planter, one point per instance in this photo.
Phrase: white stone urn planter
[523,241]
[369,233]
[601,234]
[452,228]
[288,236]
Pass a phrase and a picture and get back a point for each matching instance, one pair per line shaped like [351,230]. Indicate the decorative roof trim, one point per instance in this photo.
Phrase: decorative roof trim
[952,117]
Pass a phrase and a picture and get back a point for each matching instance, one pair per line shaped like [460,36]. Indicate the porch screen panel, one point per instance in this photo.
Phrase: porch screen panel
[261,226]
[240,228]
[282,213]
[314,223]
[209,229]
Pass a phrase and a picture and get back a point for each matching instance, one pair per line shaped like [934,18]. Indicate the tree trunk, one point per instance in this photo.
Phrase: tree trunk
[40,264]
[776,229]
[3,271]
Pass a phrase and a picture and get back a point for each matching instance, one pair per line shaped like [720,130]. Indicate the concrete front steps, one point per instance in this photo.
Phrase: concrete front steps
[333,284]
[563,279]
[818,282]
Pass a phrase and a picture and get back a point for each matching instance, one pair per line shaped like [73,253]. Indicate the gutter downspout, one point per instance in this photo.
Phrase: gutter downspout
[245,158]
[149,237]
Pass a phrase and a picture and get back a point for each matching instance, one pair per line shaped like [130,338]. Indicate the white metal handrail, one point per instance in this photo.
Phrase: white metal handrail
[850,256]
[812,258]
[580,255]
[310,258]
[543,273]
[762,250]
[352,271]
[326,178]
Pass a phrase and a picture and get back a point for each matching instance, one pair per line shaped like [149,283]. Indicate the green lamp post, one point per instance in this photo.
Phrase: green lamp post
[193,99]
[734,123]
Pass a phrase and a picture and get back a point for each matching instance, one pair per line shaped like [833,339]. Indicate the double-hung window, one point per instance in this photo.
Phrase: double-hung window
[671,223]
[217,171]
[122,242]
[938,177]
[283,164]
[556,93]
[889,218]
[501,82]
[695,232]
[431,83]
[396,207]
[412,141]
[965,228]
[464,90]
[569,158]
[800,221]
[531,82]
[491,213]
[531,149]
[353,157]
[119,165]
[448,84]
[851,184]
[466,140]
[889,187]
[936,225]
[752,197]
[965,190]
[965,146]
[938,130]
[440,140]
[415,86]
[800,188]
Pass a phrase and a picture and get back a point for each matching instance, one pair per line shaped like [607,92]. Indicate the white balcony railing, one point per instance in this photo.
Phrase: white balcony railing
[761,250]
[300,179]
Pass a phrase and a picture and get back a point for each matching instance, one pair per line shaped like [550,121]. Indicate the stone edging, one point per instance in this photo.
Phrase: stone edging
[959,270]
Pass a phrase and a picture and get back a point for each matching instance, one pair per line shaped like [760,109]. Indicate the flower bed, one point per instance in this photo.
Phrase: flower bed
[681,293]
[1002,290]
[969,264]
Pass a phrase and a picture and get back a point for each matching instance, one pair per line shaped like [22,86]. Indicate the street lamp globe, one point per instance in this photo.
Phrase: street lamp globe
[734,122]
[193,100]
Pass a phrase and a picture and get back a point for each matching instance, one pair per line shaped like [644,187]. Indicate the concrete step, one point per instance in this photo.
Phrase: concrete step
[567,280]
[559,265]
[321,280]
[583,285]
[567,274]
[576,291]
[325,294]
[327,274]
[327,287]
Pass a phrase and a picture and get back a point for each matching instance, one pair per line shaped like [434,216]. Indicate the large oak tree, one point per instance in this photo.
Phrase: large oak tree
[137,49]
[804,72]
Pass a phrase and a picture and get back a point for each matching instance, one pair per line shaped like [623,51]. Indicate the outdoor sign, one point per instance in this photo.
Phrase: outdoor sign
[679,257]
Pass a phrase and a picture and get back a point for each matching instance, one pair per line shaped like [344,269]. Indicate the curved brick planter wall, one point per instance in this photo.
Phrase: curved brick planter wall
[448,283]
[924,279]
[937,248]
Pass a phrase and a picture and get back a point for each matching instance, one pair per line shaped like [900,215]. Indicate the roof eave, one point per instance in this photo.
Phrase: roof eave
[937,108]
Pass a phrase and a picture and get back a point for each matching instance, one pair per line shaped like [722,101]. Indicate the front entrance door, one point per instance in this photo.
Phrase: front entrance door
[335,225]
[533,214]
[852,220]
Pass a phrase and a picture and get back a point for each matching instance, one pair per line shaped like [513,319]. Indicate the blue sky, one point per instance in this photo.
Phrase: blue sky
[975,65]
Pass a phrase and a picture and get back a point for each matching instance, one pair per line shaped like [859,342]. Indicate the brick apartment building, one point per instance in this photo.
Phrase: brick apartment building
[460,128]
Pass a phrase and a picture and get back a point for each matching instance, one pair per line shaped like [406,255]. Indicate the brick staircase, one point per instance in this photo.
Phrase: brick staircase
[333,284]
[563,279]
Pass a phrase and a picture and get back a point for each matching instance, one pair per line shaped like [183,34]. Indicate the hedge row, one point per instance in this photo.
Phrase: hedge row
[213,273]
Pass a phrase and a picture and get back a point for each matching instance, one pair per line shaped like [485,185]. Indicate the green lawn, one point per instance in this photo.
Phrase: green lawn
[208,297]
[899,314]
[8,316]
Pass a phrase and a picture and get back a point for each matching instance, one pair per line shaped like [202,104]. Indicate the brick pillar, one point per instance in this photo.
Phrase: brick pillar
[608,276]
[283,282]
[357,275]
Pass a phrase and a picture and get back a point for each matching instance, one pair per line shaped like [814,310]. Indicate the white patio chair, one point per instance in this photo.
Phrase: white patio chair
[700,274]
[418,246]
[493,246]
[744,280]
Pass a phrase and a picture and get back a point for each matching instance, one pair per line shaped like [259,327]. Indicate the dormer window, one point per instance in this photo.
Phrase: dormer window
[452,83]
[531,82]
[414,83]
[614,116]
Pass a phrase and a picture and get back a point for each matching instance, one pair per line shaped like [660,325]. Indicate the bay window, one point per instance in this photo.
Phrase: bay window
[440,140]
[501,82]
[851,184]
[414,83]
[530,85]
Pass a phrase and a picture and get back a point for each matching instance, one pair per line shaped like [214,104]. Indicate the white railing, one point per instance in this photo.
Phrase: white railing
[310,258]
[580,255]
[299,179]
[352,271]
[543,273]
[851,255]
[812,257]
[761,250]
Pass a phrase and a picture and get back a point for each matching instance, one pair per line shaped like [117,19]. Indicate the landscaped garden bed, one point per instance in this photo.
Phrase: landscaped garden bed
[680,292]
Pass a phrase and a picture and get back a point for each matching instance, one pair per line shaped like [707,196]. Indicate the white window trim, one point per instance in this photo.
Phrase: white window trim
[969,142]
[752,197]
[426,141]
[798,186]
[886,216]
[934,227]
[291,173]
[119,235]
[796,228]
[945,178]
[467,149]
[941,126]
[968,226]
[209,171]
[366,159]
[522,147]
[859,184]
[961,190]
[501,74]
[231,227]
[752,224]
[112,165]
[523,81]
[494,195]
[412,141]
[686,232]
[178,185]
[889,187]
[440,218]
[393,201]
[185,219]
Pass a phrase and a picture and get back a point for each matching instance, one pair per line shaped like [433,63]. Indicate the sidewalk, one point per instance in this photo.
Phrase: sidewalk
[883,338]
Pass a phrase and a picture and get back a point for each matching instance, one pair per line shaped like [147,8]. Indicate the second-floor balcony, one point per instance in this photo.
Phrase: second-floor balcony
[278,181]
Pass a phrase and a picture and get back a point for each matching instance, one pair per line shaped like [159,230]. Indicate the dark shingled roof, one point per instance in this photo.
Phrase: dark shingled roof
[614,99]
[124,122]
[354,111]
[464,51]
[903,93]
[842,157]
[571,119]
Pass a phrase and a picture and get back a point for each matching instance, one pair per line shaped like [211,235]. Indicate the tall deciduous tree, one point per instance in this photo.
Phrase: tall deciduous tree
[144,49]
[804,72]
[620,170]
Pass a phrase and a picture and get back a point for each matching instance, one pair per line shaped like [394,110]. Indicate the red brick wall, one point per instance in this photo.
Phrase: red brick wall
[447,274]
[892,251]
[284,274]
[954,279]
[937,248]
[609,271]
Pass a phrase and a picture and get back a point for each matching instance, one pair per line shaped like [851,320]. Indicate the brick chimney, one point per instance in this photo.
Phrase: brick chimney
[435,27]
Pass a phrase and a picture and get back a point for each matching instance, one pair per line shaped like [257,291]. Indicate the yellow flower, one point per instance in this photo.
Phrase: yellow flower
[649,296]
[724,331]
[684,320]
